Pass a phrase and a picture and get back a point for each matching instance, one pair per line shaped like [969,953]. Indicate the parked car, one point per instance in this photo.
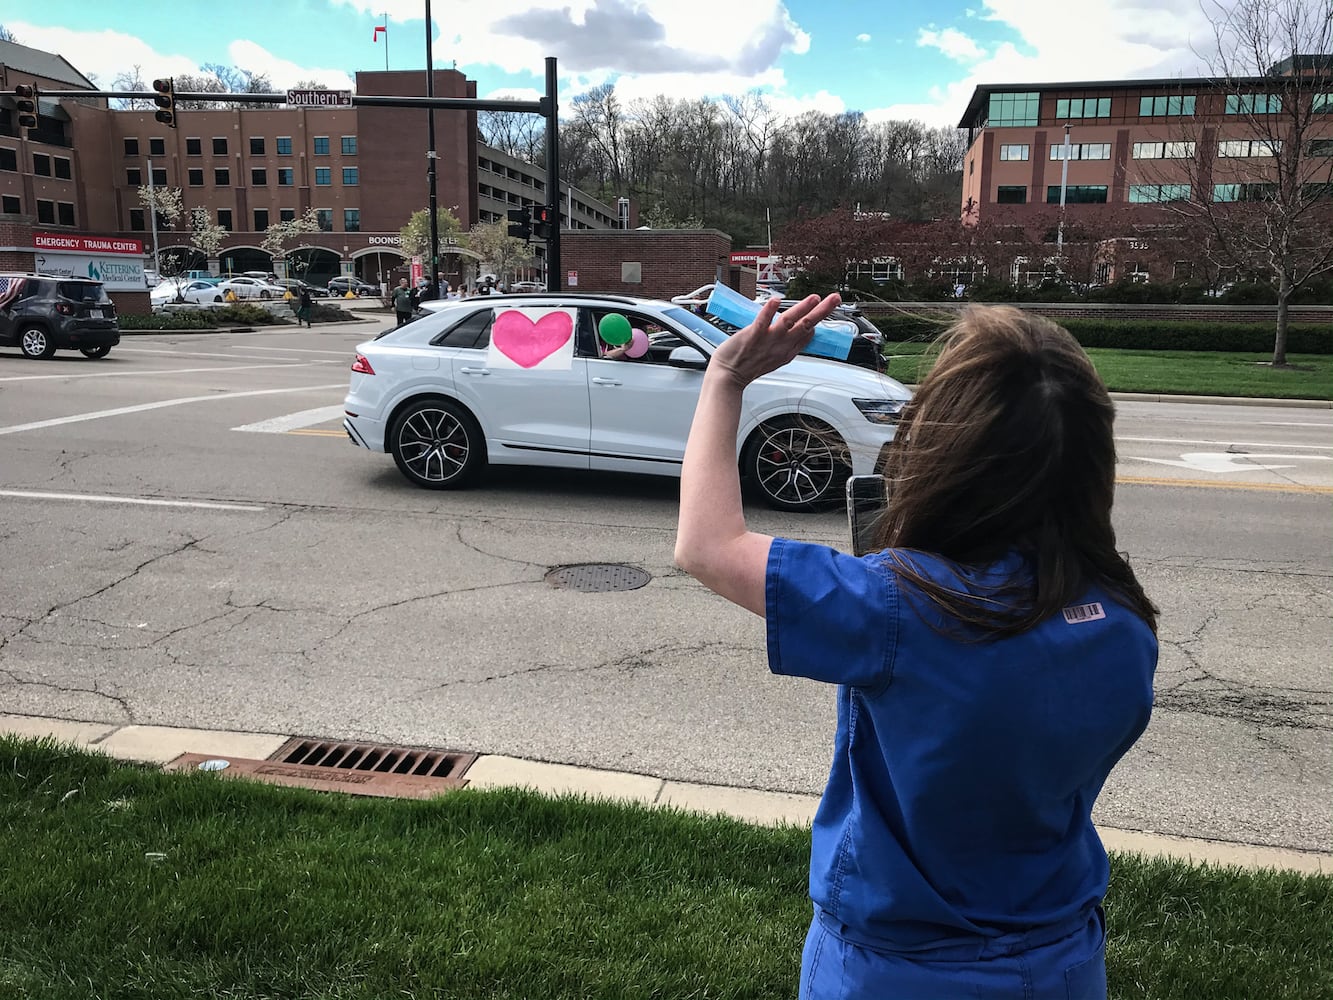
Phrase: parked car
[296,285]
[41,315]
[418,392]
[250,288]
[343,283]
[196,291]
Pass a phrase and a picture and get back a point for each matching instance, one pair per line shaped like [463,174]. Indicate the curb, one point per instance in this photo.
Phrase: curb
[162,744]
[1148,397]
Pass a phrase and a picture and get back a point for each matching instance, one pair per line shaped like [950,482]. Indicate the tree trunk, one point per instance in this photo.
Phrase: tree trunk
[1280,340]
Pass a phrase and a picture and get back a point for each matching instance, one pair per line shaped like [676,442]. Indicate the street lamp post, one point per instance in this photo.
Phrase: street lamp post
[431,160]
[1064,182]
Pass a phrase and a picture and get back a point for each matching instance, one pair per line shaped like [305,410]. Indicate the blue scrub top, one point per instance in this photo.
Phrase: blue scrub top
[960,797]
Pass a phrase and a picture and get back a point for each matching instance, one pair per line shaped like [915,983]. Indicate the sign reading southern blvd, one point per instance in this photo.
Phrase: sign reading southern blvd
[320,98]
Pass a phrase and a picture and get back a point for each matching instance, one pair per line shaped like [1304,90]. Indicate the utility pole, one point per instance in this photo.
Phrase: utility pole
[552,177]
[1064,180]
[152,210]
[431,160]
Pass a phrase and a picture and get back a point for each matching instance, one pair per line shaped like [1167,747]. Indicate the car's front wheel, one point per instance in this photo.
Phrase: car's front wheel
[96,352]
[35,342]
[437,444]
[266,295]
[797,464]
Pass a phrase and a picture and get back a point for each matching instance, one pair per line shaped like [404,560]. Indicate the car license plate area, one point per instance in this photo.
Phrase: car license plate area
[94,313]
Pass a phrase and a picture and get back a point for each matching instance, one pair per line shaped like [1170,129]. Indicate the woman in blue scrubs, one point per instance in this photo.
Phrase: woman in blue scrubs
[993,661]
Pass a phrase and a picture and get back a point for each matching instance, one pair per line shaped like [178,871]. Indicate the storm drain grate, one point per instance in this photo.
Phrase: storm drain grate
[376,758]
[598,578]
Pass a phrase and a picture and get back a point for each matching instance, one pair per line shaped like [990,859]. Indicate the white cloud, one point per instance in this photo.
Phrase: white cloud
[863,38]
[104,54]
[256,59]
[791,106]
[952,42]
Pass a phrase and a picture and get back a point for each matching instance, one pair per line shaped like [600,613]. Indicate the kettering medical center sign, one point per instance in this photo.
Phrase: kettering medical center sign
[116,263]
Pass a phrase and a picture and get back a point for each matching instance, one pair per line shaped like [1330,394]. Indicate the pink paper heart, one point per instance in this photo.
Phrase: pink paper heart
[526,343]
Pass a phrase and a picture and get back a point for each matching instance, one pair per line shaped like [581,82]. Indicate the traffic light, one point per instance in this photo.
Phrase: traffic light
[25,98]
[543,222]
[520,222]
[165,101]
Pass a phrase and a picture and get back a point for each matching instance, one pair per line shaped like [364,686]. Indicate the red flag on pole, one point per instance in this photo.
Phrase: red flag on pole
[378,28]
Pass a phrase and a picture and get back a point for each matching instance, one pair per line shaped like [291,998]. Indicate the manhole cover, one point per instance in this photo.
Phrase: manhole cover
[598,578]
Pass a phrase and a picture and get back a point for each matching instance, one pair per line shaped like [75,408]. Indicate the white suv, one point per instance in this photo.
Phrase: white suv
[445,398]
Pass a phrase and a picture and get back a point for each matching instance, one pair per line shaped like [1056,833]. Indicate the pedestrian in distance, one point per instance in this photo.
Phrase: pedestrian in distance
[307,305]
[402,302]
[993,661]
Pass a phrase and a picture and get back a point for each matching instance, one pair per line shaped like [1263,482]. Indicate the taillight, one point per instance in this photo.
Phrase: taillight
[64,309]
[362,365]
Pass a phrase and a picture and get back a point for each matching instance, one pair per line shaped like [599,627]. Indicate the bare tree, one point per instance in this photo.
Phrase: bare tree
[8,36]
[131,79]
[1260,195]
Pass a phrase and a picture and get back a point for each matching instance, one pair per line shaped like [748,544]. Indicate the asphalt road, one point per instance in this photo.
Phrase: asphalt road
[188,539]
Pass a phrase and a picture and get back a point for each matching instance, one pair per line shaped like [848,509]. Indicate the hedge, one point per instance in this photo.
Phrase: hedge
[1139,335]
[237,315]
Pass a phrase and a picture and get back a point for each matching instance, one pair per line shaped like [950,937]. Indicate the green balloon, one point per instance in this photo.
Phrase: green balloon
[614,329]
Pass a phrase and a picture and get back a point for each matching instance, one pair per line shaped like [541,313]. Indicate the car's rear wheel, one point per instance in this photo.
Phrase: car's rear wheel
[266,295]
[95,352]
[217,298]
[35,342]
[797,464]
[437,444]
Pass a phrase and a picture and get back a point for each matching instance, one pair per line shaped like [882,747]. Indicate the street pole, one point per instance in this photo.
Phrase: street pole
[152,210]
[1064,181]
[431,160]
[552,177]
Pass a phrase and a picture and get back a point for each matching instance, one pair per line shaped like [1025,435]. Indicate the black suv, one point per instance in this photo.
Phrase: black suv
[341,284]
[41,315]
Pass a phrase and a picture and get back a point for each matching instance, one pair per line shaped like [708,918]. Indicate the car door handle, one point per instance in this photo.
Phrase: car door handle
[474,371]
[606,381]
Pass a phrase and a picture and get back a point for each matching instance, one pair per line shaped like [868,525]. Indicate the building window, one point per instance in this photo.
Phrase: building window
[1254,104]
[46,211]
[1133,274]
[284,144]
[349,145]
[351,176]
[1163,150]
[259,177]
[285,176]
[157,147]
[321,145]
[880,269]
[256,145]
[133,176]
[1016,152]
[352,220]
[9,204]
[261,219]
[323,176]
[1145,193]
[1163,105]
[1083,151]
[1077,194]
[8,159]
[63,168]
[1182,270]
[1244,192]
[160,176]
[1011,194]
[1308,191]
[194,147]
[324,216]
[1322,104]
[131,147]
[41,164]
[136,220]
[219,145]
[196,175]
[65,213]
[1013,109]
[1320,147]
[224,218]
[1249,147]
[221,176]
[1083,107]
[286,214]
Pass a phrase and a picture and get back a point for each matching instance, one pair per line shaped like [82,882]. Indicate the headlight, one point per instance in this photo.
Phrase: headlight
[880,411]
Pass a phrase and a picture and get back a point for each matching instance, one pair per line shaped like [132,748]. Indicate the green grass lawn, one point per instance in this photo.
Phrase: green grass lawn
[1189,373]
[119,881]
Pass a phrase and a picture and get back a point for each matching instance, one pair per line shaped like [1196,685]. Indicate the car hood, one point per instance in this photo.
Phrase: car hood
[839,376]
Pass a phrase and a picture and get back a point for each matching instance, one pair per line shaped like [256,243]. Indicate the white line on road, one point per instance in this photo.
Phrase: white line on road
[293,421]
[302,350]
[144,501]
[168,371]
[141,407]
[1232,444]
[202,354]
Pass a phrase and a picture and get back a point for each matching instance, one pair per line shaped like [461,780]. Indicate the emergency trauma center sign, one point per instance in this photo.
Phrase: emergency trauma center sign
[117,262]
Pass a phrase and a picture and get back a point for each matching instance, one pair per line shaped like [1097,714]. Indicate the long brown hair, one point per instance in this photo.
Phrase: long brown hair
[1007,446]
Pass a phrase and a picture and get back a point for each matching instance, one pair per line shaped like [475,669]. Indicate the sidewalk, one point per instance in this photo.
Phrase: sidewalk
[162,744]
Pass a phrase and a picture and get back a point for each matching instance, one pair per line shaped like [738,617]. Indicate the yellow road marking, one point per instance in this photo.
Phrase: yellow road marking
[319,432]
[1225,484]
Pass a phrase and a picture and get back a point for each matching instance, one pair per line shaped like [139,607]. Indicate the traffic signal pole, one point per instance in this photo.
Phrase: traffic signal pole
[550,109]
[431,160]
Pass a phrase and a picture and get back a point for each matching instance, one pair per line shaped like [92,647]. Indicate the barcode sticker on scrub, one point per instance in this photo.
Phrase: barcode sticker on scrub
[1083,613]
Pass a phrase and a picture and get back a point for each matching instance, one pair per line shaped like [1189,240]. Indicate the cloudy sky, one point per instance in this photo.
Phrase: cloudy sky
[900,59]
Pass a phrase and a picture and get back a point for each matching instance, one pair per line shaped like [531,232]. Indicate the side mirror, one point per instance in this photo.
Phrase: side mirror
[687,357]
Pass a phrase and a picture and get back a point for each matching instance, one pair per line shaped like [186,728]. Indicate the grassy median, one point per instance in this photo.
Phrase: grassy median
[120,881]
[1186,373]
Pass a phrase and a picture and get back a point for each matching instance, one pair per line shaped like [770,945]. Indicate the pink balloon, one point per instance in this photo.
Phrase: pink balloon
[638,344]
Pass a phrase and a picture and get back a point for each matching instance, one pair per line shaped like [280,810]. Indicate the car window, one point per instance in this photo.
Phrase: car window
[662,340]
[83,291]
[473,330]
[697,324]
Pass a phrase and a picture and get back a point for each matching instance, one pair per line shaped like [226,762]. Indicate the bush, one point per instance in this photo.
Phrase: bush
[243,314]
[1249,293]
[184,319]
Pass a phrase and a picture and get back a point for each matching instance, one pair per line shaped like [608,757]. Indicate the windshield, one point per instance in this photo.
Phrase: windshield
[697,324]
[84,290]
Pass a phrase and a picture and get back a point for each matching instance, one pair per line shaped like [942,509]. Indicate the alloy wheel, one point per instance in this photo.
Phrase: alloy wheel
[796,465]
[434,444]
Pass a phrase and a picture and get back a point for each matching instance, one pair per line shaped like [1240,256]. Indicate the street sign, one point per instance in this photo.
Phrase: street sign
[320,98]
